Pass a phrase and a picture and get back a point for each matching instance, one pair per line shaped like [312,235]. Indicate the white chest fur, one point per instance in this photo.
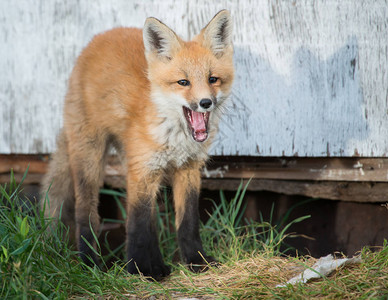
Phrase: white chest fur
[177,145]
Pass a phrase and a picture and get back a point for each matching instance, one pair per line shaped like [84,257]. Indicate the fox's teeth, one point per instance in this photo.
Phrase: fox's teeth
[188,114]
[206,117]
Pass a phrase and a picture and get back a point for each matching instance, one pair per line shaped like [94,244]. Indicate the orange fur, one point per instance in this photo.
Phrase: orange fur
[184,180]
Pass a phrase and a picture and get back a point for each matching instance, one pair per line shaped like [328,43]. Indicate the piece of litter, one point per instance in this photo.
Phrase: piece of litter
[216,173]
[323,267]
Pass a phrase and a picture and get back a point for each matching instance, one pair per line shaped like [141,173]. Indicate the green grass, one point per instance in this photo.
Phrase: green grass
[36,260]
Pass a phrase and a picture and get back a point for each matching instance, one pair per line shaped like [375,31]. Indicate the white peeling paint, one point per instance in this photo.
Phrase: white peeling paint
[311,76]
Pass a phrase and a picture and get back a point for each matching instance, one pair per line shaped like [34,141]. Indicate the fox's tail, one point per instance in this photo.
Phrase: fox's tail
[57,188]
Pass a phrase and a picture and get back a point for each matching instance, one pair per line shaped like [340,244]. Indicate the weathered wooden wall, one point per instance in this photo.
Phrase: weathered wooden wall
[312,76]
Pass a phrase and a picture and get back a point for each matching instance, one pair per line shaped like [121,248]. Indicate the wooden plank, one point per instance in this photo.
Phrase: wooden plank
[327,169]
[313,169]
[311,76]
[335,190]
[37,164]
[319,169]
[326,178]
[30,179]
[345,191]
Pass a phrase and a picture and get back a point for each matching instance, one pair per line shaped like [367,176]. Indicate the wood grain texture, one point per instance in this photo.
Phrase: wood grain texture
[311,76]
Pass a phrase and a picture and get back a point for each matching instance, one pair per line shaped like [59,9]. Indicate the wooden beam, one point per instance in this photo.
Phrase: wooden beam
[348,179]
[333,190]
[318,169]
[19,162]
[339,190]
[32,178]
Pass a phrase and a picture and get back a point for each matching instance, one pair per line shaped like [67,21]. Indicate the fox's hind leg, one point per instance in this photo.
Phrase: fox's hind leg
[87,151]
[57,190]
[186,188]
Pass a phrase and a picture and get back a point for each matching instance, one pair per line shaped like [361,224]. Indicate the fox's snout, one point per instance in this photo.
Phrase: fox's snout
[203,105]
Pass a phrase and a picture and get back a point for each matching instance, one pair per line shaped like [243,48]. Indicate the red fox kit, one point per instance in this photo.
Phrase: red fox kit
[157,100]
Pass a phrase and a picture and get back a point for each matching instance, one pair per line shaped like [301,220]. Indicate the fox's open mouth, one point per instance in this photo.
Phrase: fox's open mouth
[198,123]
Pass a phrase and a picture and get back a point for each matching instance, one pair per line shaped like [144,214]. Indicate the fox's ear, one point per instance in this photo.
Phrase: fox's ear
[217,35]
[159,39]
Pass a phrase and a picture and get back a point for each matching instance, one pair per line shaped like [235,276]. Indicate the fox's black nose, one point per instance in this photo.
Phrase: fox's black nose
[205,103]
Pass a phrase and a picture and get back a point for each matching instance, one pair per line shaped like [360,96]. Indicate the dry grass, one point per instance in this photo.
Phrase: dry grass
[248,278]
[256,277]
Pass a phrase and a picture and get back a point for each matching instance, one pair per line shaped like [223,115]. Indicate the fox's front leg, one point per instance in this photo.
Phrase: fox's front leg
[186,188]
[143,251]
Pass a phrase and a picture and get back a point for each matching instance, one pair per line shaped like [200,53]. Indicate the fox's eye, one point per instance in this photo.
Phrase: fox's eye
[213,80]
[183,82]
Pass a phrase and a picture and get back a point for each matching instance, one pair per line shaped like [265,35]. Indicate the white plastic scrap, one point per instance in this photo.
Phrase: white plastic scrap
[219,172]
[323,267]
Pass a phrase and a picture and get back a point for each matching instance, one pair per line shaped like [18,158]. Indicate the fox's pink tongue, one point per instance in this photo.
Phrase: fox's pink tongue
[199,126]
[198,121]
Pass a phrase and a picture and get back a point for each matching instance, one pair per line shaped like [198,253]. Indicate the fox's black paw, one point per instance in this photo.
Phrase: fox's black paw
[156,270]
